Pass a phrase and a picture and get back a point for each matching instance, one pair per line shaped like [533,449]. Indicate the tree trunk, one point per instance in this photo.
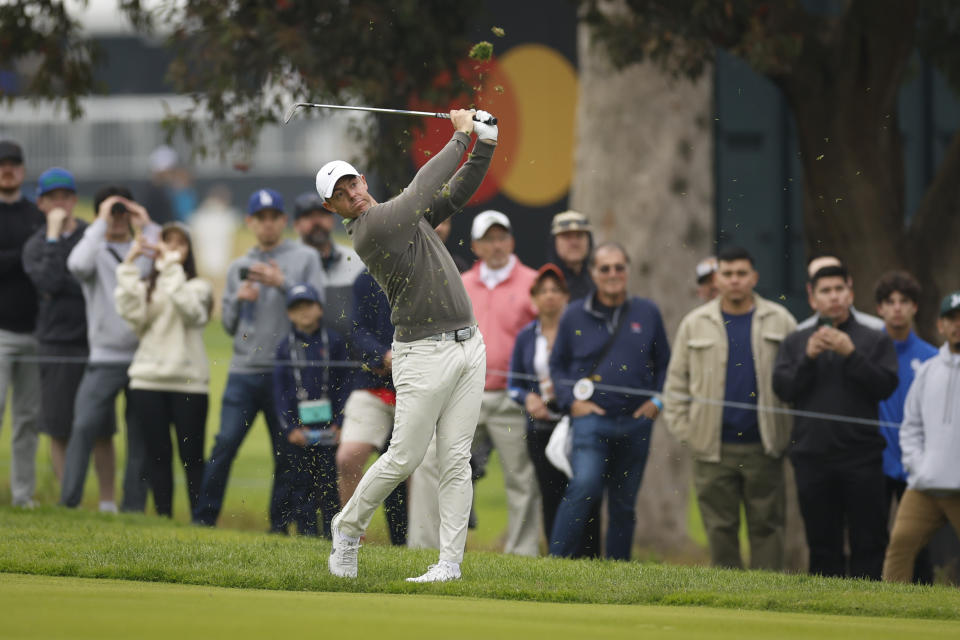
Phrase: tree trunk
[843,90]
[932,240]
[643,175]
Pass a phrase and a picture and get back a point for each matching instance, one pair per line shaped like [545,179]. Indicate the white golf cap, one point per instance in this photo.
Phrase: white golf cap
[706,267]
[485,220]
[329,174]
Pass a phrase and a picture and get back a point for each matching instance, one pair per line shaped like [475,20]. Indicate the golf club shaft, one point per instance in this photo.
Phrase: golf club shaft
[405,112]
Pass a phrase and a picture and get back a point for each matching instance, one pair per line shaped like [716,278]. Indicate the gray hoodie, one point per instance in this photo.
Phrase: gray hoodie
[257,327]
[94,263]
[930,433]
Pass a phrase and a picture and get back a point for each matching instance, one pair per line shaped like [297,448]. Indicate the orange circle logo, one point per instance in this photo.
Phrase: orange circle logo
[532,89]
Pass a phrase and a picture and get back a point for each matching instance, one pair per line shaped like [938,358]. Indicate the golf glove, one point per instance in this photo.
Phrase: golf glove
[484,130]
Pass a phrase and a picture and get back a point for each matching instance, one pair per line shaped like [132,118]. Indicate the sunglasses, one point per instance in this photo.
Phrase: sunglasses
[606,268]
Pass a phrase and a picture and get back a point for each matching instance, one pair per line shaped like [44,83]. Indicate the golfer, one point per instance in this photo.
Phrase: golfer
[438,356]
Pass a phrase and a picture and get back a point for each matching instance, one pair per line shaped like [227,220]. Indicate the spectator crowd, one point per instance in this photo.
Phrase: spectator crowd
[578,371]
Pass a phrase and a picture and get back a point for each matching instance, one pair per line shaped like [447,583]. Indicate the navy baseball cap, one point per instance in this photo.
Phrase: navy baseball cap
[302,291]
[307,203]
[53,179]
[264,199]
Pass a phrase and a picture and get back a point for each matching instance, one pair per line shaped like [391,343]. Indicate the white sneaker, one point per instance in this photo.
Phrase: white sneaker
[443,571]
[108,506]
[343,554]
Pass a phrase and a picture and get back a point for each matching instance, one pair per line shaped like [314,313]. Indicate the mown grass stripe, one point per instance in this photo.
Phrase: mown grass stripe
[108,609]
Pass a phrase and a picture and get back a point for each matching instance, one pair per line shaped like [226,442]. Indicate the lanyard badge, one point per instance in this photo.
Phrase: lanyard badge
[315,411]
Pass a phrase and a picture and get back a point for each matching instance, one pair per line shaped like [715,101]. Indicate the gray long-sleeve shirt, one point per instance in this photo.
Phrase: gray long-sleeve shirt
[397,242]
[94,263]
[258,326]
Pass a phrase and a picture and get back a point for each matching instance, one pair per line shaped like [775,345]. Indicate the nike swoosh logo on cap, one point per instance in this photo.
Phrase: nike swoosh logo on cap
[331,171]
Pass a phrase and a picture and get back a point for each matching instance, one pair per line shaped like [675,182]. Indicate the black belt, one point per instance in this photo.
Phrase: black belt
[457,335]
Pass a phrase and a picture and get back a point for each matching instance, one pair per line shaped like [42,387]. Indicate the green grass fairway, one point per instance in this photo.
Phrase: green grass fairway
[58,542]
[43,607]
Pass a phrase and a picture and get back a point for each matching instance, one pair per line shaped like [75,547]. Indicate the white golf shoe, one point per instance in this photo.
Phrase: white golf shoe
[343,555]
[443,571]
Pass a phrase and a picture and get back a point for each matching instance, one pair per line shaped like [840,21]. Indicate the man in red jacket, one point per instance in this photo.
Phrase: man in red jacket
[499,288]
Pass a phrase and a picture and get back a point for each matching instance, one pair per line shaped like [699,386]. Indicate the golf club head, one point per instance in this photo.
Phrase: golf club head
[289,114]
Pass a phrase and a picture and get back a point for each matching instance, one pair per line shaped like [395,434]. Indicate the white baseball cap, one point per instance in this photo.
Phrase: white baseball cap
[706,267]
[163,158]
[329,174]
[485,220]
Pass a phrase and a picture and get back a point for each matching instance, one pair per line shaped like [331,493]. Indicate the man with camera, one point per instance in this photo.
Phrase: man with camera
[838,369]
[93,262]
[255,314]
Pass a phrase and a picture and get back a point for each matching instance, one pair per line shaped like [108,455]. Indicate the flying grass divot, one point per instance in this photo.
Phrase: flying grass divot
[482,51]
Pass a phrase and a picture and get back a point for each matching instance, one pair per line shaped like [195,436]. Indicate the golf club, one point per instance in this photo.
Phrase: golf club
[405,112]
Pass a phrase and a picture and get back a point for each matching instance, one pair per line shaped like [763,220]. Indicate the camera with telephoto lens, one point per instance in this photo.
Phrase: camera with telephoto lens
[118,209]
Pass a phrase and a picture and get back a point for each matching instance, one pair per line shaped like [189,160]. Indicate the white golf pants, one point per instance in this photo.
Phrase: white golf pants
[439,389]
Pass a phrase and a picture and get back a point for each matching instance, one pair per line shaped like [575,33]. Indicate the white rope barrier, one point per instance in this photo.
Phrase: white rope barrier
[629,391]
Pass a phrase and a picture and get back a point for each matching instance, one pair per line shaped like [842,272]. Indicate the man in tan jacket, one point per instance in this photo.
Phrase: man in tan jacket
[718,384]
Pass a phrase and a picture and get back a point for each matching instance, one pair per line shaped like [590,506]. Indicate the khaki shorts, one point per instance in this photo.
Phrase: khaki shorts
[366,418]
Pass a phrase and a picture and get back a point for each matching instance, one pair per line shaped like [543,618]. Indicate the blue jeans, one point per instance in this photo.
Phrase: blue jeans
[246,395]
[608,453]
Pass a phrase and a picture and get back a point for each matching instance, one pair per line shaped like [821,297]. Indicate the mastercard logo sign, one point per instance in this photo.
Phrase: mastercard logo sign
[532,89]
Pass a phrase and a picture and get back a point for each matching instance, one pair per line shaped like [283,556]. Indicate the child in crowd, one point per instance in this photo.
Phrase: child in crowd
[309,397]
[169,376]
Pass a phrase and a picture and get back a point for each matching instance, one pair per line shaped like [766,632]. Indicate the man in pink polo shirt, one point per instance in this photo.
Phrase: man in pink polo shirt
[499,289]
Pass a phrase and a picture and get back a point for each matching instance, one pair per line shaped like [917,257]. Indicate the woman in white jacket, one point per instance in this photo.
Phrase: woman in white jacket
[169,376]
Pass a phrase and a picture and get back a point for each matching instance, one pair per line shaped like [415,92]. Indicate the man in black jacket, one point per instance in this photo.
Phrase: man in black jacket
[62,324]
[19,219]
[842,368]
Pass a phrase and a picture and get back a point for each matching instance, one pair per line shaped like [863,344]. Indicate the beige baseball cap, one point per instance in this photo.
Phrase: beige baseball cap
[569,221]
